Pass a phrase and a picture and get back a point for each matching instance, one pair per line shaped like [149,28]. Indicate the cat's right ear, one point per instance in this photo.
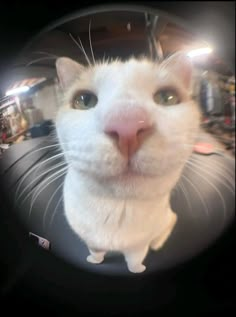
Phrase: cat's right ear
[67,71]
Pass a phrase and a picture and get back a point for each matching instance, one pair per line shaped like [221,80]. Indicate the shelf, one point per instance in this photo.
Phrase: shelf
[14,137]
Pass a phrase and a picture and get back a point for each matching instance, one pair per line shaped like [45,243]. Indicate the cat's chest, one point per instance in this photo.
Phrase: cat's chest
[114,227]
[113,223]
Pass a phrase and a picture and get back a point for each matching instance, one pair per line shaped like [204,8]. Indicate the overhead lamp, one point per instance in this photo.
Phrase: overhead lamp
[199,52]
[17,90]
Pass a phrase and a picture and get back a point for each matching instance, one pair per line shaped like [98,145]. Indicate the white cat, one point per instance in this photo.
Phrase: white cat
[125,129]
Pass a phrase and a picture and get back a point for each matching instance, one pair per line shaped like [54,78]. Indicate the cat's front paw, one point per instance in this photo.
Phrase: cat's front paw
[158,242]
[137,268]
[93,260]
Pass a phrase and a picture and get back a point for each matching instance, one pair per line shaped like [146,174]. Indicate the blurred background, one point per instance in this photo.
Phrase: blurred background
[30,94]
[29,98]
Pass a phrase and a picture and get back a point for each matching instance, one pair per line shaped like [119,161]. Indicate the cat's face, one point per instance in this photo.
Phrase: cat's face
[127,123]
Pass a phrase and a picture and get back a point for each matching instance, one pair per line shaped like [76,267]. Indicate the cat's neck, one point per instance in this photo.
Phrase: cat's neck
[81,197]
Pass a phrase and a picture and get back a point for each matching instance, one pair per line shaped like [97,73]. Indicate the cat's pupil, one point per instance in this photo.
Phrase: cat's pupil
[85,98]
[166,97]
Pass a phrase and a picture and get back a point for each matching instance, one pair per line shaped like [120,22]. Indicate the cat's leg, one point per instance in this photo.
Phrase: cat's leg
[96,256]
[159,241]
[134,258]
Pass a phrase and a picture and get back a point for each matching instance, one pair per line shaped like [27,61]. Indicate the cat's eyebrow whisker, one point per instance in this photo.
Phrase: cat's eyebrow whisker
[38,177]
[80,47]
[90,42]
[83,49]
[104,58]
[198,192]
[52,178]
[48,204]
[39,60]
[45,53]
[189,165]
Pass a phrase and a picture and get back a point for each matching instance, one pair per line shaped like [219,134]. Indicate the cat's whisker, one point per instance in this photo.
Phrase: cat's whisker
[207,136]
[43,148]
[53,134]
[181,186]
[81,48]
[217,136]
[55,210]
[86,56]
[48,204]
[35,168]
[54,178]
[199,194]
[38,186]
[90,43]
[226,172]
[215,149]
[226,169]
[55,145]
[104,58]
[4,98]
[210,183]
[39,60]
[218,177]
[92,163]
[38,177]
[45,53]
[30,169]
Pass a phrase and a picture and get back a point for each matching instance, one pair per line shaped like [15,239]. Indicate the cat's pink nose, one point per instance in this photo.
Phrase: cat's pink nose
[128,129]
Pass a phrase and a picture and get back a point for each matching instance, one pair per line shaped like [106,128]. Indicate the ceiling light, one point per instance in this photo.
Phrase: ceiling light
[17,90]
[200,51]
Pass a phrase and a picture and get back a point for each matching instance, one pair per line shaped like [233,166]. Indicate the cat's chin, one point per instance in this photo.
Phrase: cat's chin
[129,175]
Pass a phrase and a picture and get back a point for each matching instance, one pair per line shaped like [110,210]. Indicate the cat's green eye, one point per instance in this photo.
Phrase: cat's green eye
[84,100]
[167,97]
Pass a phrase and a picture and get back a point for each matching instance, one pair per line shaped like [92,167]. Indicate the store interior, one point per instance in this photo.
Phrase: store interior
[31,93]
[45,260]
[33,166]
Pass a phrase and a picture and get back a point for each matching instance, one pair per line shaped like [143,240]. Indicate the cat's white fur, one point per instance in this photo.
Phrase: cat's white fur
[109,209]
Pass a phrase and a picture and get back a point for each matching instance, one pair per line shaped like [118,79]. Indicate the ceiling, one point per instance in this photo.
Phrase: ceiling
[120,34]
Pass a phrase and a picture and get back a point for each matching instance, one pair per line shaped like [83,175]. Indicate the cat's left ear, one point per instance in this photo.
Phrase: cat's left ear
[181,65]
[67,71]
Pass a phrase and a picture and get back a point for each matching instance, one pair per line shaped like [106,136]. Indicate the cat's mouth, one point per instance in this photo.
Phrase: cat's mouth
[128,169]
[130,172]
